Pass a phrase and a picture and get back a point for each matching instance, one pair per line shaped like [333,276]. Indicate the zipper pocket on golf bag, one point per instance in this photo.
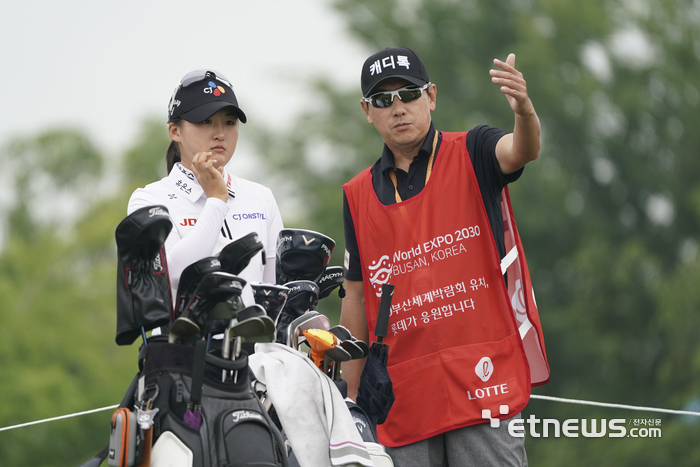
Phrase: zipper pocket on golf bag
[246,437]
[125,439]
[172,405]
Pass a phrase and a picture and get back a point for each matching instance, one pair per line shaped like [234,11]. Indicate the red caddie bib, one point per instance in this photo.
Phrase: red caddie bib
[457,339]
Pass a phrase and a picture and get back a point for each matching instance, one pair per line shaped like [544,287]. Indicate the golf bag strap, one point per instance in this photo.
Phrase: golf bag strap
[200,352]
[129,398]
[143,353]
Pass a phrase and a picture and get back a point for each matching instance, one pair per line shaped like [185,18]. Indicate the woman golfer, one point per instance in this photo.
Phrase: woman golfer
[209,206]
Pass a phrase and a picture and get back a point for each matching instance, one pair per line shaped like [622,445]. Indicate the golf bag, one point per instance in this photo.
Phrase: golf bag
[143,285]
[189,405]
[212,423]
[194,418]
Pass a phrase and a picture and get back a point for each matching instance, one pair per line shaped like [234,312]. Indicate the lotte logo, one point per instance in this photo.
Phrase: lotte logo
[484,369]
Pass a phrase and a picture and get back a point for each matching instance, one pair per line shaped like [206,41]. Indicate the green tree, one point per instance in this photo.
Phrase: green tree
[57,290]
[144,162]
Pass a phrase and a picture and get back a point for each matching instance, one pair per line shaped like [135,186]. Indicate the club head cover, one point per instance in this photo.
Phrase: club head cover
[331,279]
[302,255]
[190,278]
[143,232]
[270,296]
[303,295]
[214,288]
[321,341]
[143,282]
[236,256]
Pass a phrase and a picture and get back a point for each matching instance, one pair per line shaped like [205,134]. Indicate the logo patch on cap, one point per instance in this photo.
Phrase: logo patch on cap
[394,62]
[214,89]
[389,62]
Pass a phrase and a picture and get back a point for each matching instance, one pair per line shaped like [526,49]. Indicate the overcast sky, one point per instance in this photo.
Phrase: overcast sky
[104,66]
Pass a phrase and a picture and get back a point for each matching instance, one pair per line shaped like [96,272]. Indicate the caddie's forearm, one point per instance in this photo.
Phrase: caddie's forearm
[353,317]
[351,373]
[526,137]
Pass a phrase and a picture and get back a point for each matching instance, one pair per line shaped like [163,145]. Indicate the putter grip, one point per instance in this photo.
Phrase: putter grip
[382,327]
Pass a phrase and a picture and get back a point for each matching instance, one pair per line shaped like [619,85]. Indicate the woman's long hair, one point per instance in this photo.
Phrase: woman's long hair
[172,155]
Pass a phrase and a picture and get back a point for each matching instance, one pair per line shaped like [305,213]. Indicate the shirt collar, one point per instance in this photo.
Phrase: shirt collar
[387,160]
[187,185]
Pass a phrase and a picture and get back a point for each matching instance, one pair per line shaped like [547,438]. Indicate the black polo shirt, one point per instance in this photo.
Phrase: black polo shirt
[481,144]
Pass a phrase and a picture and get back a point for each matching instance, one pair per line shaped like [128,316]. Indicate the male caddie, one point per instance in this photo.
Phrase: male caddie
[433,217]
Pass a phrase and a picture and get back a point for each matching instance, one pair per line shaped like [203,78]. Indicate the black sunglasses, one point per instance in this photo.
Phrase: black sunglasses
[382,100]
[199,75]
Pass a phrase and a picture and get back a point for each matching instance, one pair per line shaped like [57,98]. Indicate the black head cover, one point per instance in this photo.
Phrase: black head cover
[190,278]
[331,279]
[302,255]
[214,288]
[271,297]
[236,255]
[303,296]
[143,284]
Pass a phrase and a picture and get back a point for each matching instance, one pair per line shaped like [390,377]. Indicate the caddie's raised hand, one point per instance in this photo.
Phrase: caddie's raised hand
[513,85]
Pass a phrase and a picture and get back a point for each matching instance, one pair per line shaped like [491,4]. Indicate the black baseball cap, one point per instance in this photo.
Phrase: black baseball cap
[200,94]
[392,62]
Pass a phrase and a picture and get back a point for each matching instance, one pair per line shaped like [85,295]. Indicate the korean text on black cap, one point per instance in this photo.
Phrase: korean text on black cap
[392,62]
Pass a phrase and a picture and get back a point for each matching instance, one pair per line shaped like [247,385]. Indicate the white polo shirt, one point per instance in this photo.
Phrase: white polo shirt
[202,227]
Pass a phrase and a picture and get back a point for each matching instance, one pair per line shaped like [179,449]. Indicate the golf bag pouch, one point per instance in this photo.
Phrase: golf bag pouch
[143,284]
[246,436]
[125,439]
[235,429]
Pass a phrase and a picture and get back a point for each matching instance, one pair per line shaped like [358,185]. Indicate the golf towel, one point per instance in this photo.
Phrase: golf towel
[312,411]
